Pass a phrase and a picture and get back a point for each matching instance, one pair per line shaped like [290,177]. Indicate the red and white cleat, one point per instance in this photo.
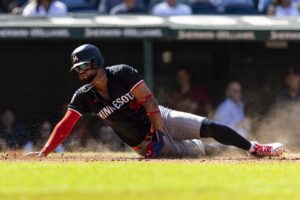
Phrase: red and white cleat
[272,149]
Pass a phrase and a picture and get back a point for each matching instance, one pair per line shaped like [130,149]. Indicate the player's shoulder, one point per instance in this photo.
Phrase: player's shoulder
[115,69]
[227,104]
[84,89]
[82,92]
[59,4]
[29,8]
[161,5]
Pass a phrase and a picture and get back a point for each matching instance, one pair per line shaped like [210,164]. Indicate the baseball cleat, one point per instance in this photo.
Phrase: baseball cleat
[272,149]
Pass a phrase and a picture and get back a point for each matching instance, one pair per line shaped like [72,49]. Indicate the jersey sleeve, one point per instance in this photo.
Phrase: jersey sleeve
[76,104]
[61,131]
[131,77]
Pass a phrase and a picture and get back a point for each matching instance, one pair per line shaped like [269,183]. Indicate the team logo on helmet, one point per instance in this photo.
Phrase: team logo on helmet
[75,59]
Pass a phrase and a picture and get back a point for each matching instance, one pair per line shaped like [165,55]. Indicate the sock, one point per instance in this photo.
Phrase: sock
[252,147]
[224,135]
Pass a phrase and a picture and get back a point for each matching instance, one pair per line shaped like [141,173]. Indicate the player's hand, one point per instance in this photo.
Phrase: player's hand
[36,154]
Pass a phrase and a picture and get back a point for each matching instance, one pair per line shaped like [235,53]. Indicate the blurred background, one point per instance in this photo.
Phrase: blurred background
[234,61]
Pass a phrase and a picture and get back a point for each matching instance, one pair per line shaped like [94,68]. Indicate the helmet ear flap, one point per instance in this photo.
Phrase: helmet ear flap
[96,63]
[92,63]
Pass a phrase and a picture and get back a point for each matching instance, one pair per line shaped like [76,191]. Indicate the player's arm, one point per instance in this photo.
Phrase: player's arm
[143,94]
[60,133]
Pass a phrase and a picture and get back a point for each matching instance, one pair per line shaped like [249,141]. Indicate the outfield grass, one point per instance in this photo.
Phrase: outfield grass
[149,180]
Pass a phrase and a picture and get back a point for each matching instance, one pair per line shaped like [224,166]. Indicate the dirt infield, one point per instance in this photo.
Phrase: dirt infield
[130,156]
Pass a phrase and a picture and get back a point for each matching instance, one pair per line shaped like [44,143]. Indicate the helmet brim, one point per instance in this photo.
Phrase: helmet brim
[77,64]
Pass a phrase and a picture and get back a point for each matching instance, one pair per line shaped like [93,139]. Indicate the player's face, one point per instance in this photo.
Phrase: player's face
[172,3]
[46,129]
[131,3]
[183,77]
[293,82]
[86,72]
[44,2]
[234,91]
[8,118]
[285,3]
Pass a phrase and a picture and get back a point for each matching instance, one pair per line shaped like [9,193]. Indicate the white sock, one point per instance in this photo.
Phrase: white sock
[252,146]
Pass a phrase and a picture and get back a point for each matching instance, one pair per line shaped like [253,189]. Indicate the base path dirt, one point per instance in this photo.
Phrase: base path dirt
[14,156]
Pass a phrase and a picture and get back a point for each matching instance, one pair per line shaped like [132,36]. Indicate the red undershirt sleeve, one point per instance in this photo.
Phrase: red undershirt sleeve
[61,131]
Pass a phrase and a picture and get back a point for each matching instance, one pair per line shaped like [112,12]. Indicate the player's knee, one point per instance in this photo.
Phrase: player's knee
[208,128]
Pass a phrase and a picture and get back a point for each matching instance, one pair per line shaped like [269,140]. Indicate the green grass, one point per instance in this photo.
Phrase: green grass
[149,180]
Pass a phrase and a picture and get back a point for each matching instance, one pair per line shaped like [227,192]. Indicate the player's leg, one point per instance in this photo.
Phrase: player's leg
[183,126]
[182,135]
[223,134]
[228,136]
[182,149]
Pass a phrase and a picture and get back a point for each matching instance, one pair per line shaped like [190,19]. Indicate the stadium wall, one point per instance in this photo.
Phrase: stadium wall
[35,56]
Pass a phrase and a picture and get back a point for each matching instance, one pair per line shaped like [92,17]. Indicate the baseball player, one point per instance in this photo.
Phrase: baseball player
[121,98]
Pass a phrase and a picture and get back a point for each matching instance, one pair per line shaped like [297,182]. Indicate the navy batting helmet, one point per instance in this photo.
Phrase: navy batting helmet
[85,54]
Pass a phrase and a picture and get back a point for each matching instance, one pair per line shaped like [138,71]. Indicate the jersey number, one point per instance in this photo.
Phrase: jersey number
[135,105]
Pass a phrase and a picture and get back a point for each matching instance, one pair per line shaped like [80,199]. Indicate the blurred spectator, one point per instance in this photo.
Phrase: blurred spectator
[106,5]
[12,6]
[283,8]
[128,7]
[74,2]
[12,136]
[42,8]
[171,7]
[222,5]
[81,5]
[81,133]
[291,93]
[8,5]
[203,7]
[107,139]
[231,111]
[263,5]
[90,134]
[189,98]
[43,134]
